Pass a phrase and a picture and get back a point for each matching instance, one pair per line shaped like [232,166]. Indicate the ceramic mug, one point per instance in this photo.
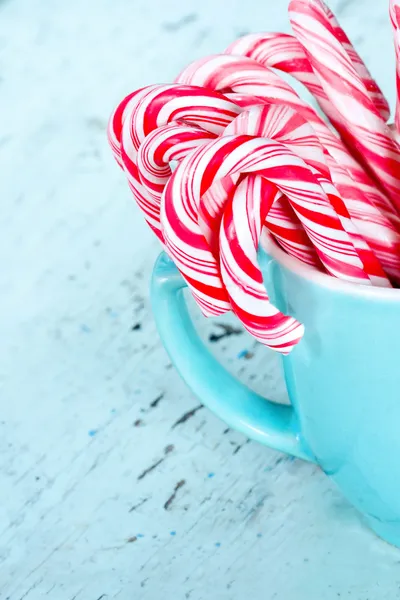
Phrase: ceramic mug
[343,379]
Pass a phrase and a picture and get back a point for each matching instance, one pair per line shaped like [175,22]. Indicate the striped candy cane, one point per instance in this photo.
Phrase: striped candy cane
[242,154]
[374,91]
[155,106]
[253,84]
[394,11]
[288,127]
[285,53]
[173,142]
[242,277]
[362,126]
[284,223]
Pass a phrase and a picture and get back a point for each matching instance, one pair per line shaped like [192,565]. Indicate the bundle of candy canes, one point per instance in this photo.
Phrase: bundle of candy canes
[251,156]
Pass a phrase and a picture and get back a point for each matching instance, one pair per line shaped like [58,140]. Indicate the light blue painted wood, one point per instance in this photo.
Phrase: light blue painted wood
[88,405]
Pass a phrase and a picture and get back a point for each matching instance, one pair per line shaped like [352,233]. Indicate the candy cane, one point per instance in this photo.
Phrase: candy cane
[284,223]
[285,53]
[394,11]
[288,127]
[374,91]
[364,129]
[173,142]
[379,229]
[241,154]
[168,143]
[252,83]
[154,106]
[242,277]
[125,155]
[115,124]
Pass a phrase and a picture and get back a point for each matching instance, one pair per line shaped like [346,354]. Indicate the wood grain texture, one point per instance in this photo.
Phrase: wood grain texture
[115,482]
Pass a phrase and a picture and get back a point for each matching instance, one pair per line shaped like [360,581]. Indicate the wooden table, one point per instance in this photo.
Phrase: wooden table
[115,482]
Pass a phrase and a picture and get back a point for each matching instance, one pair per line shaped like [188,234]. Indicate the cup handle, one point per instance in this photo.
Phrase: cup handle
[275,425]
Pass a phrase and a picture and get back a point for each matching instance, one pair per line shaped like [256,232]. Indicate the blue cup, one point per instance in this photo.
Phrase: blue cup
[343,379]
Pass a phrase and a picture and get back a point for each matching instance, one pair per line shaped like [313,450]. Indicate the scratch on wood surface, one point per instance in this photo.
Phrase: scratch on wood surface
[167,450]
[32,587]
[177,25]
[187,415]
[172,497]
[132,539]
[227,331]
[138,505]
[240,446]
[253,512]
[157,400]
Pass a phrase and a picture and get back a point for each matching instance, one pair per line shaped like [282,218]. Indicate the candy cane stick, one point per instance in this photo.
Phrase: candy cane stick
[395,20]
[125,156]
[241,154]
[364,129]
[283,223]
[288,127]
[252,84]
[168,143]
[211,204]
[154,106]
[279,166]
[173,142]
[285,53]
[115,124]
[379,229]
[242,277]
[375,93]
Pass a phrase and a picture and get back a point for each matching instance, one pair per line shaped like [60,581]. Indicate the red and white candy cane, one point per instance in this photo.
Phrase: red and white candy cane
[168,145]
[285,53]
[395,19]
[241,154]
[380,230]
[163,145]
[278,165]
[362,125]
[288,127]
[247,77]
[115,124]
[241,229]
[281,219]
[374,91]
[125,157]
[173,142]
[252,83]
[154,106]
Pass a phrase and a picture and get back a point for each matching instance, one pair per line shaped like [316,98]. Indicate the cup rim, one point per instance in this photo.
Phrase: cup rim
[269,245]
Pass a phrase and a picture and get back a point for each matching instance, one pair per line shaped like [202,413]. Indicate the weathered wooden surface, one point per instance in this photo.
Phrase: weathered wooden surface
[115,482]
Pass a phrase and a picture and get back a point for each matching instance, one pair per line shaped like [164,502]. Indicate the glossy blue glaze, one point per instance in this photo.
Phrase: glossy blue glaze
[343,380]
